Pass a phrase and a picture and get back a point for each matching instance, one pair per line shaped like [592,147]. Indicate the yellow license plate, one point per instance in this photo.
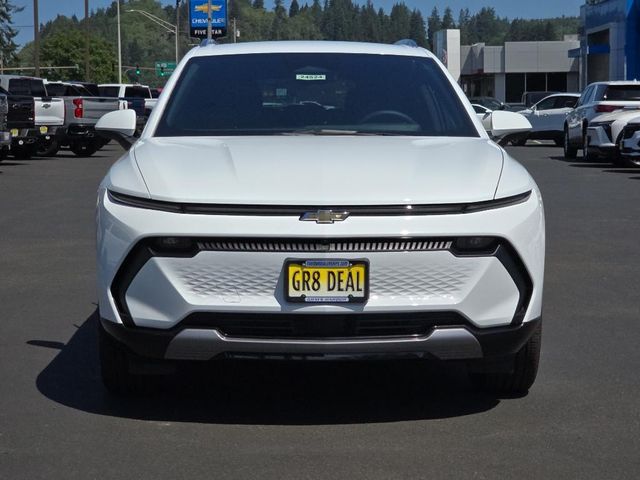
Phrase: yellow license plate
[327,281]
[14,132]
[44,130]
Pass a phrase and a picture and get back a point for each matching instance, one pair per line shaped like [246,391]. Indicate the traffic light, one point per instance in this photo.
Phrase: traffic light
[137,69]
[162,71]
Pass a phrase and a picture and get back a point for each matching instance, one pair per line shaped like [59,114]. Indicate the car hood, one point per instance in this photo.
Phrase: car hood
[319,170]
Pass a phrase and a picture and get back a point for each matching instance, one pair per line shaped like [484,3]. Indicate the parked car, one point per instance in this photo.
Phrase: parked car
[547,117]
[605,134]
[20,122]
[5,135]
[481,111]
[82,111]
[597,98]
[629,143]
[49,111]
[488,102]
[531,98]
[390,225]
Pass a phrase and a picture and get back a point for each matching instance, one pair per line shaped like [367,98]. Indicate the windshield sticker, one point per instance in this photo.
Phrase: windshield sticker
[311,77]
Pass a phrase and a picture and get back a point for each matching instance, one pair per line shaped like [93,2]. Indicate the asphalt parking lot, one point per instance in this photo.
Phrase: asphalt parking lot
[319,420]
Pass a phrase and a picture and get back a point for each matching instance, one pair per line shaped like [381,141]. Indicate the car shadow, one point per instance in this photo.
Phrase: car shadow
[265,392]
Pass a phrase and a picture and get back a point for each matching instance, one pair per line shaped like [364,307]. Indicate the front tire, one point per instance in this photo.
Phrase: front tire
[587,155]
[525,370]
[48,149]
[570,151]
[83,149]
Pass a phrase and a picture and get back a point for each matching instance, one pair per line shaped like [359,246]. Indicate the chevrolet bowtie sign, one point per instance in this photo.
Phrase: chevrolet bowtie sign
[324,216]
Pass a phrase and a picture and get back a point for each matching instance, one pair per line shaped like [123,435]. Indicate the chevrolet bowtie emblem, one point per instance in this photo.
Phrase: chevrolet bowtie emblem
[324,216]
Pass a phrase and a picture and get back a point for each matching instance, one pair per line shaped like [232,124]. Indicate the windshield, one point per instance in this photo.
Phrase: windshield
[314,93]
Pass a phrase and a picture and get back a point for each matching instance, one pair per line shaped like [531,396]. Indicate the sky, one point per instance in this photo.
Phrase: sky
[48,9]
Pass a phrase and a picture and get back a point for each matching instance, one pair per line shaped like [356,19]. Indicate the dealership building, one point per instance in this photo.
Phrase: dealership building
[609,41]
[506,72]
[606,48]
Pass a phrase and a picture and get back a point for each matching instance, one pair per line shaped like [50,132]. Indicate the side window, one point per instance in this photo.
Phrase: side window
[566,102]
[585,96]
[546,104]
[19,86]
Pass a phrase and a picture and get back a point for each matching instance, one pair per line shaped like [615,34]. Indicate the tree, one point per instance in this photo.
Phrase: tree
[67,48]
[417,29]
[259,4]
[294,9]
[7,32]
[447,19]
[399,22]
[433,24]
[278,26]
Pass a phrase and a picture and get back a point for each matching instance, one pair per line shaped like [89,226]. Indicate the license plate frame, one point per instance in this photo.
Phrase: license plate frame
[323,263]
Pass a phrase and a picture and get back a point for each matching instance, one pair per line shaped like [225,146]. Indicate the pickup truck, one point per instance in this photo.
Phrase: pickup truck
[49,111]
[5,135]
[20,123]
[82,111]
[138,97]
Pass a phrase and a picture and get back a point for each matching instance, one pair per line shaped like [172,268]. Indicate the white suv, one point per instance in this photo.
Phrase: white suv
[598,98]
[318,200]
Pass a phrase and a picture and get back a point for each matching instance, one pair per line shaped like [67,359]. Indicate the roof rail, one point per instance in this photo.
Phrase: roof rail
[207,41]
[407,42]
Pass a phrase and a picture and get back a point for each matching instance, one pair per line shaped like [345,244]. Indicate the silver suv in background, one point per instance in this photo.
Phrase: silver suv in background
[597,98]
[547,117]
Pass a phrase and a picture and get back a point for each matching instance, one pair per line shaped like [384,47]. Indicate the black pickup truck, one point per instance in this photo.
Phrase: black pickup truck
[20,123]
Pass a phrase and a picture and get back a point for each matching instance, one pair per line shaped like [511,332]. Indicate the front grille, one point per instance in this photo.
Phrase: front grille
[380,245]
[354,325]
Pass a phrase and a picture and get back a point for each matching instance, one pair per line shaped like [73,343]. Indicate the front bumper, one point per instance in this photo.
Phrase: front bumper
[451,299]
[600,141]
[630,143]
[454,342]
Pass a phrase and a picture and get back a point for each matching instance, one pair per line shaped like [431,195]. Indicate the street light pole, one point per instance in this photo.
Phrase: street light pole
[119,44]
[36,38]
[86,44]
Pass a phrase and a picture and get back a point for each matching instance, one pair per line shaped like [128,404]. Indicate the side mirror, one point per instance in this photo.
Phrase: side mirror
[500,125]
[120,126]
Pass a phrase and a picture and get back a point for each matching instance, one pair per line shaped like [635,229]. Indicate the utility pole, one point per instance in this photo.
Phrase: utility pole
[177,30]
[87,39]
[209,32]
[36,38]
[119,44]
[235,31]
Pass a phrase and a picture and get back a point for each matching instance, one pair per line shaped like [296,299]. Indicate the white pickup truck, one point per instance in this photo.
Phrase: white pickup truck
[83,110]
[49,111]
[134,95]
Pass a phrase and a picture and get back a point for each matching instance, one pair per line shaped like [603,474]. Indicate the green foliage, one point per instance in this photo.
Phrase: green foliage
[7,32]
[66,47]
[144,43]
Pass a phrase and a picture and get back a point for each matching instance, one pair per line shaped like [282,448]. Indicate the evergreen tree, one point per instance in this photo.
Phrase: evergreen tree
[278,26]
[447,19]
[7,32]
[433,24]
[258,4]
[294,9]
[399,22]
[418,31]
